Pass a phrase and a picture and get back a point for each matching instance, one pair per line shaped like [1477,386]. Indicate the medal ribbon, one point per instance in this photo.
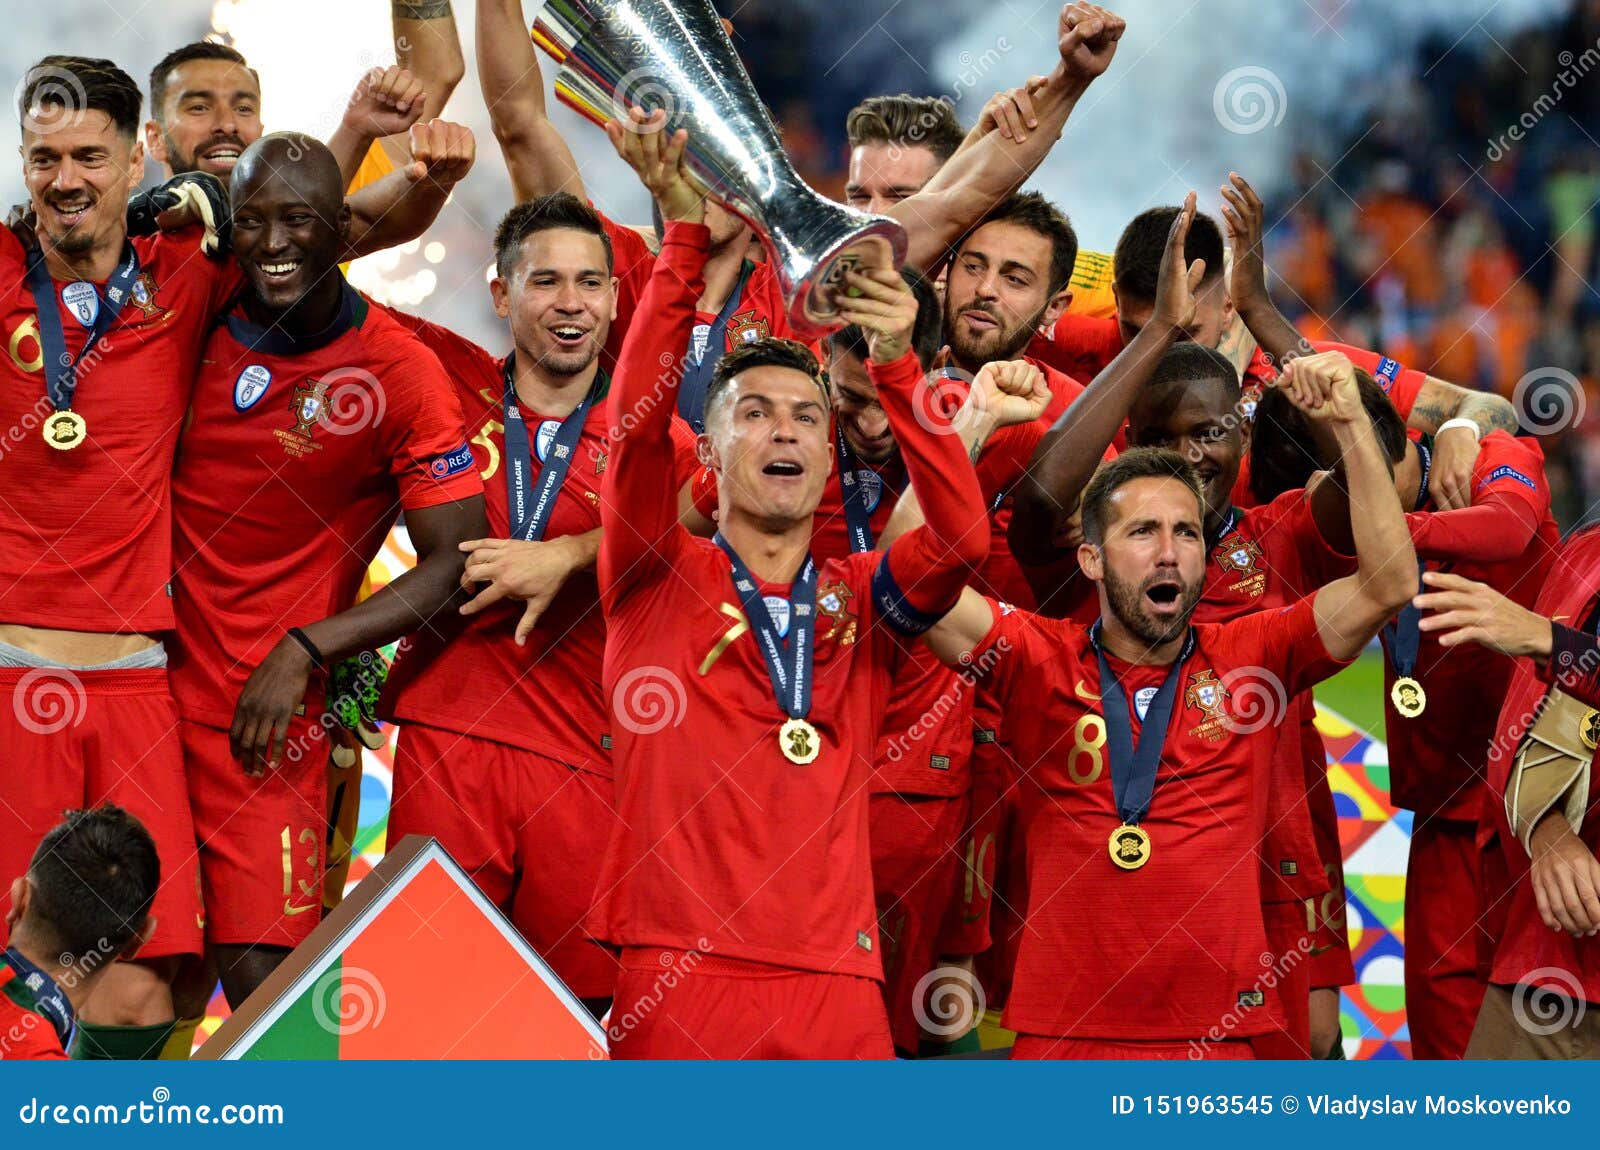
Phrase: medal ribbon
[49,998]
[697,376]
[529,511]
[791,678]
[1401,635]
[857,520]
[60,368]
[1133,769]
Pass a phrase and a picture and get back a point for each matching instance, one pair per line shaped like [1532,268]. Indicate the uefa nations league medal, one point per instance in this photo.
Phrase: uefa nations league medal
[64,430]
[1129,847]
[1408,697]
[799,741]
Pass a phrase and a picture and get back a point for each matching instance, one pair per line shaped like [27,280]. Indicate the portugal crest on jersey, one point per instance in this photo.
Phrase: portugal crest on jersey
[1240,555]
[1206,692]
[833,601]
[143,295]
[307,405]
[747,327]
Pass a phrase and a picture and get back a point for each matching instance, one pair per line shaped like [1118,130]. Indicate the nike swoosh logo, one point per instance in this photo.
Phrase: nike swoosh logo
[291,911]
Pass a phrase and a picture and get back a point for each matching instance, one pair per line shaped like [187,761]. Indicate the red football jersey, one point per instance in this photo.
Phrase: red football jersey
[545,695]
[86,534]
[1165,951]
[722,843]
[1507,539]
[295,462]
[1528,950]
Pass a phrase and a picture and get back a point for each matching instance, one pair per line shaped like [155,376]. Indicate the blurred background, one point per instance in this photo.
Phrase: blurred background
[1431,169]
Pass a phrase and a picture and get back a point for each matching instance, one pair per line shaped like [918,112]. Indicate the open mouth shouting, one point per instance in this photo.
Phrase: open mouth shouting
[1163,596]
[785,469]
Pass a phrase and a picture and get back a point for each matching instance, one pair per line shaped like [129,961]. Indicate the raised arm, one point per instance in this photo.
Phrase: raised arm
[638,505]
[921,575]
[386,102]
[508,71]
[1071,450]
[1350,611]
[403,205]
[981,175]
[427,45]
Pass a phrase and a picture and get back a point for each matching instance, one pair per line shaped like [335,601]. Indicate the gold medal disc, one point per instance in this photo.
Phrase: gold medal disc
[799,741]
[1129,847]
[1589,729]
[64,430]
[1408,697]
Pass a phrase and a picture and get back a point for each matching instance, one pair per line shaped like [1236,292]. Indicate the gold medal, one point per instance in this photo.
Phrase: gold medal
[64,430]
[1129,847]
[799,741]
[1408,697]
[1589,729]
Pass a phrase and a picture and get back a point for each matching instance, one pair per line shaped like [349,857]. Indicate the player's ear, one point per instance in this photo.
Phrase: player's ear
[705,450]
[20,890]
[136,164]
[154,142]
[1091,561]
[1056,307]
[344,225]
[500,292]
[616,286]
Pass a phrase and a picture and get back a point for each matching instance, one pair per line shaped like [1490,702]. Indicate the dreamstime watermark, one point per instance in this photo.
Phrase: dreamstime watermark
[49,88]
[676,965]
[1548,400]
[665,390]
[1276,970]
[1259,700]
[346,1000]
[948,1001]
[1548,1000]
[1248,100]
[48,700]
[1573,69]
[649,699]
[353,400]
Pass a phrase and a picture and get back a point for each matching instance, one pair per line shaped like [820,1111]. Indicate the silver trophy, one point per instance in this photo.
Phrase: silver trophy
[675,54]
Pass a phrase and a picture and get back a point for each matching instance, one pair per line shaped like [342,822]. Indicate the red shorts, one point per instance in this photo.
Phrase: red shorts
[1444,886]
[1330,936]
[967,925]
[76,739]
[262,839]
[997,808]
[684,1004]
[1033,1047]
[531,831]
[1290,942]
[915,873]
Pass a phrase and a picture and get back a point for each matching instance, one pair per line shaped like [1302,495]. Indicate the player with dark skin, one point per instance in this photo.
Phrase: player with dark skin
[289,216]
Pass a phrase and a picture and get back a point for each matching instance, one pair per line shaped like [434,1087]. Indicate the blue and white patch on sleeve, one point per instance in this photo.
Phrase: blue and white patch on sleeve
[1386,373]
[1505,471]
[457,461]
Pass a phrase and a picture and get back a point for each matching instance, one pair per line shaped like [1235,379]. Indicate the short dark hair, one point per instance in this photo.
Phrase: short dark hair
[82,84]
[1283,454]
[772,351]
[1032,211]
[557,210]
[907,121]
[94,879]
[1136,264]
[199,50]
[927,335]
[1135,463]
[1189,362]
